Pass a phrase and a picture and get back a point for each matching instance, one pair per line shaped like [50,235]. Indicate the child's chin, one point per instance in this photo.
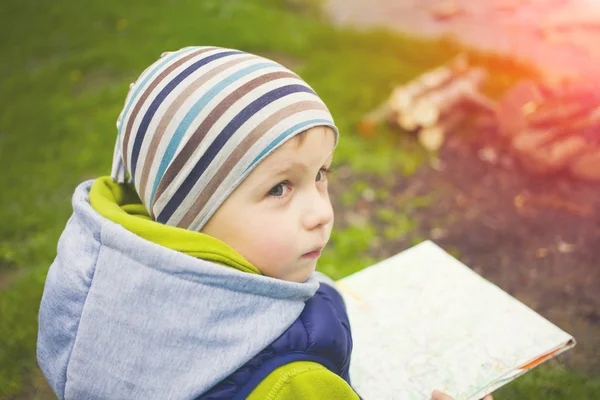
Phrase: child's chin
[303,273]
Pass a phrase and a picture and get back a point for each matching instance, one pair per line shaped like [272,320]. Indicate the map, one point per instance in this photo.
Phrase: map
[421,320]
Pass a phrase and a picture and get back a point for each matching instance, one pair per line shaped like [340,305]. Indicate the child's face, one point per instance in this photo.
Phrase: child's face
[280,216]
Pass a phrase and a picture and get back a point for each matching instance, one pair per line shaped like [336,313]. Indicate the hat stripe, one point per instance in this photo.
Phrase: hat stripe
[140,102]
[168,116]
[193,113]
[139,86]
[193,143]
[231,163]
[302,126]
[141,133]
[220,141]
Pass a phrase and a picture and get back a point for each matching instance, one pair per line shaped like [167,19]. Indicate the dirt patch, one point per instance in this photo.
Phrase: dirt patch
[36,388]
[6,278]
[536,238]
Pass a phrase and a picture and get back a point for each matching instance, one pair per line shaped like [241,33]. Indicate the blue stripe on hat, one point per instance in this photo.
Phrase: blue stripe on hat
[193,113]
[139,137]
[302,126]
[147,78]
[220,141]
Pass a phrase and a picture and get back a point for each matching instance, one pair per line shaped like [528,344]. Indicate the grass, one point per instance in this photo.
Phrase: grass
[551,382]
[64,74]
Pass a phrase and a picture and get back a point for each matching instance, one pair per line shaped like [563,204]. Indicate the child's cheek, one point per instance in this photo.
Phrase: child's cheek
[276,250]
[270,242]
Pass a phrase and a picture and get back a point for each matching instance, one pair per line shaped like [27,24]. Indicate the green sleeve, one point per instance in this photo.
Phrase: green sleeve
[303,380]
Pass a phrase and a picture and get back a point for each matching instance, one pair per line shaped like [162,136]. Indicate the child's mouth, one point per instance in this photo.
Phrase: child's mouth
[312,254]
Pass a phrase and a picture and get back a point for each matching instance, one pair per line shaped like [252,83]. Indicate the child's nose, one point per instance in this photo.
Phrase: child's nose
[319,212]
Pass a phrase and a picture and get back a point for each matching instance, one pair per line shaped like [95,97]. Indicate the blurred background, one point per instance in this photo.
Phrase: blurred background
[511,188]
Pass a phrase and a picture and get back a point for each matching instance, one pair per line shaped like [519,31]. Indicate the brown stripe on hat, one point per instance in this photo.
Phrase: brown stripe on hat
[240,151]
[170,113]
[192,144]
[147,92]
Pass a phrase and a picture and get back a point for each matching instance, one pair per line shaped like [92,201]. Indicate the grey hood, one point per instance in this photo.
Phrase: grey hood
[124,318]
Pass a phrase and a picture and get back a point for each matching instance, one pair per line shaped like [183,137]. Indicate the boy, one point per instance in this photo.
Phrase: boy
[191,273]
[163,287]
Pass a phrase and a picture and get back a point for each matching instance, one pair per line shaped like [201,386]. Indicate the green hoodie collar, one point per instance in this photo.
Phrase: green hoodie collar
[120,204]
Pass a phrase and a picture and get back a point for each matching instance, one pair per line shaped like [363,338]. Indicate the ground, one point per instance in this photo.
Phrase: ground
[537,238]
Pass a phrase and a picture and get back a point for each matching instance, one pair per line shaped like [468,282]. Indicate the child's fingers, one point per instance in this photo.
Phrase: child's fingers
[488,397]
[437,395]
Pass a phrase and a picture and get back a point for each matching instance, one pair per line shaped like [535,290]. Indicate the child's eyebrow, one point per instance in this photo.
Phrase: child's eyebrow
[282,168]
[287,166]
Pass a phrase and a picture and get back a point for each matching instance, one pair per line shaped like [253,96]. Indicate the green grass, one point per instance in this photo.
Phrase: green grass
[64,74]
[551,382]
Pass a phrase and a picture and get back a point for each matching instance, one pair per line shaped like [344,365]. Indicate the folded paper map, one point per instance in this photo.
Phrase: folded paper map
[421,320]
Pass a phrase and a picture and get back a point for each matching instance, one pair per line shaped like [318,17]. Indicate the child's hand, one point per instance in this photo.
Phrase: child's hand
[437,395]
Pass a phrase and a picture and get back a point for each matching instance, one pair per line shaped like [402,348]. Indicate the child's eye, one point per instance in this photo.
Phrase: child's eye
[322,174]
[280,189]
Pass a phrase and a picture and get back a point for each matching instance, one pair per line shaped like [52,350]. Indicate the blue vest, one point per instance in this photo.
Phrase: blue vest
[320,334]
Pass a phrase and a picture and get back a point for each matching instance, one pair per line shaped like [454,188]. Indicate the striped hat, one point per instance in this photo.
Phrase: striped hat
[198,120]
